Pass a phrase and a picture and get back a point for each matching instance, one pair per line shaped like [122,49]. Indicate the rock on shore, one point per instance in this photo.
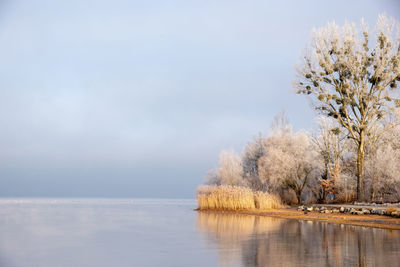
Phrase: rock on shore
[382,210]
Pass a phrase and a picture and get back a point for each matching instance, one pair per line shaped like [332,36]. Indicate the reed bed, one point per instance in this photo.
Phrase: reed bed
[267,201]
[227,197]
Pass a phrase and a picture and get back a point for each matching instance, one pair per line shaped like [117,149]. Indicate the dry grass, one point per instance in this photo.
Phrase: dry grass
[267,201]
[225,198]
[235,198]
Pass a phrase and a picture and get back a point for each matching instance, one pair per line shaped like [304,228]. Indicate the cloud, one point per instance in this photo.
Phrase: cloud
[97,89]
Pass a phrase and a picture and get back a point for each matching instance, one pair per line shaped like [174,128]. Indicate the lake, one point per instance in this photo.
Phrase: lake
[165,232]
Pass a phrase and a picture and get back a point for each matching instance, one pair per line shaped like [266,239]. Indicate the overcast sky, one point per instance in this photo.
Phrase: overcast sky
[137,98]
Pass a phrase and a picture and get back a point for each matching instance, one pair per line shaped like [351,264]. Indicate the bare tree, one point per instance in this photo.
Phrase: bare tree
[353,82]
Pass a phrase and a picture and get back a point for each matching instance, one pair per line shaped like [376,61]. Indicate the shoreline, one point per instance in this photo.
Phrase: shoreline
[375,221]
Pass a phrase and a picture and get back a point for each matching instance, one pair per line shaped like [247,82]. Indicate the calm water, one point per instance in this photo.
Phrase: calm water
[138,232]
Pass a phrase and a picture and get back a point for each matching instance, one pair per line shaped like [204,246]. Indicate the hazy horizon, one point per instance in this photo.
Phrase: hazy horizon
[136,99]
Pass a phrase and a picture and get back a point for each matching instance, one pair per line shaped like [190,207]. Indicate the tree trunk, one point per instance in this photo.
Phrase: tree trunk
[324,177]
[298,195]
[372,197]
[360,168]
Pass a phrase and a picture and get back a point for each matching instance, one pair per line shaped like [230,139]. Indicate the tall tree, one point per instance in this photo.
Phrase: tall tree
[353,82]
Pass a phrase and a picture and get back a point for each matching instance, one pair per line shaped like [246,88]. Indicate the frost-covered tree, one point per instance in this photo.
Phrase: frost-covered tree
[230,171]
[354,82]
[383,166]
[290,161]
[252,152]
[332,145]
[280,124]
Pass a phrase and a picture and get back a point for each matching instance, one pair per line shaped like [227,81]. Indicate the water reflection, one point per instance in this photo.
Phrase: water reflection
[248,240]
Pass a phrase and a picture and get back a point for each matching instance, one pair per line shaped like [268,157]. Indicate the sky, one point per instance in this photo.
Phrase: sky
[137,98]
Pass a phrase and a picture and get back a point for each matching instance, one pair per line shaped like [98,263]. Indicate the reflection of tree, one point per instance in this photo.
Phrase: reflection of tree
[251,240]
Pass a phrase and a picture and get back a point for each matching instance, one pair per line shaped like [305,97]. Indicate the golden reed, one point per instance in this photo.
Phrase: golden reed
[226,197]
